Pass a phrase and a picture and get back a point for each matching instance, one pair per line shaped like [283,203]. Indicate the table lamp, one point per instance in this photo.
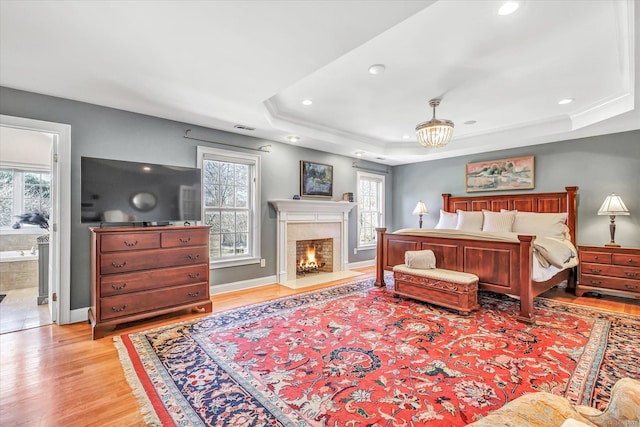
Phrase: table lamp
[420,210]
[612,206]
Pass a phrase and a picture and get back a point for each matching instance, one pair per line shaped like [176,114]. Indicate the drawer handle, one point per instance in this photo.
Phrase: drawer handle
[631,274]
[117,288]
[193,294]
[130,244]
[595,257]
[118,310]
[630,261]
[187,240]
[193,257]
[595,270]
[633,287]
[595,282]
[119,265]
[194,276]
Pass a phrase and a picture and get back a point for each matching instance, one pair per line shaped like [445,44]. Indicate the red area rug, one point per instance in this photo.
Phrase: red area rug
[353,355]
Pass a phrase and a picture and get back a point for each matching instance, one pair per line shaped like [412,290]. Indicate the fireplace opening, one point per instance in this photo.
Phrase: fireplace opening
[314,256]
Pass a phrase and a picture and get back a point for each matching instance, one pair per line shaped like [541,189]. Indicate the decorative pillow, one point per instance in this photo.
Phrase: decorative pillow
[498,221]
[541,224]
[448,220]
[469,221]
[420,259]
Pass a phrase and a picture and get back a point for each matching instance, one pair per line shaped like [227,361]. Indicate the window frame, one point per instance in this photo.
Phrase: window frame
[18,199]
[381,199]
[216,154]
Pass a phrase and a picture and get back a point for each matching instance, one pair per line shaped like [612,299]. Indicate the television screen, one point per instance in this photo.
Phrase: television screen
[123,191]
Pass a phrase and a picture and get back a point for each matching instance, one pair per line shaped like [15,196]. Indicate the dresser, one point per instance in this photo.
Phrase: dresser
[138,273]
[609,269]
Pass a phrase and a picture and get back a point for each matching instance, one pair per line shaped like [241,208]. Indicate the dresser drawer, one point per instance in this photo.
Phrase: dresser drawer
[176,239]
[592,256]
[627,259]
[129,304]
[129,242]
[628,285]
[122,262]
[611,270]
[117,284]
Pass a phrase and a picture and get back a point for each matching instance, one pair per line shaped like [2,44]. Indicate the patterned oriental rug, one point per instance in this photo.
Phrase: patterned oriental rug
[353,355]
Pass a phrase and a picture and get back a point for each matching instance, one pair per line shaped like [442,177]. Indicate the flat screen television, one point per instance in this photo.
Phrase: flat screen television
[117,191]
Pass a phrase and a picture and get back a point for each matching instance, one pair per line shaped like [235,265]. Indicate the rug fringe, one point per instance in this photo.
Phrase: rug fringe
[146,408]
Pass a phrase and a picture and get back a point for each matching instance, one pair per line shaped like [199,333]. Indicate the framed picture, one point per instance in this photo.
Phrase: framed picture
[316,179]
[504,174]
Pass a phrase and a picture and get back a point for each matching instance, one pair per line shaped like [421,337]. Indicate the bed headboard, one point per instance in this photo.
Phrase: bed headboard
[527,202]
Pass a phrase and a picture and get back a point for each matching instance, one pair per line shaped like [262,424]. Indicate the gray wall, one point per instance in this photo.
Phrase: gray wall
[599,166]
[104,132]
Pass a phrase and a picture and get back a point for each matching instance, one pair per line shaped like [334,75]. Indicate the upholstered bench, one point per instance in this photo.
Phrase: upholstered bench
[447,288]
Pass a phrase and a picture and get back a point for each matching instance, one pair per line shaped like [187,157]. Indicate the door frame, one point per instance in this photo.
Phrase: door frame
[60,230]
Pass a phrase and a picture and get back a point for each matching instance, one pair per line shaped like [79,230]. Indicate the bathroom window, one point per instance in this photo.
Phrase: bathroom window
[23,192]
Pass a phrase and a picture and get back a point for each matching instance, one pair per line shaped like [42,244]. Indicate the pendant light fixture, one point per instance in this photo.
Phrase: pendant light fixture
[434,133]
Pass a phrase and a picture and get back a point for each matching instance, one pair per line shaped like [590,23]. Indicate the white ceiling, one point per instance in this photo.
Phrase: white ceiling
[222,63]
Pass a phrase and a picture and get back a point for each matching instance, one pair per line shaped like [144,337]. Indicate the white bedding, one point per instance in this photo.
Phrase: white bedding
[552,255]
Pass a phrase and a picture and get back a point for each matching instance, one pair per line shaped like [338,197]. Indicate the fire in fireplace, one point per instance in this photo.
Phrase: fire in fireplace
[314,256]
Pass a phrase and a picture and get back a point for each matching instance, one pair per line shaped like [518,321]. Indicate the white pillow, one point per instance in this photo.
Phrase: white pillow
[541,224]
[498,221]
[448,220]
[469,221]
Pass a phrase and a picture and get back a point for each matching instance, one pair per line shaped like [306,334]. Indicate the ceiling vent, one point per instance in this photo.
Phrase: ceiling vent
[243,127]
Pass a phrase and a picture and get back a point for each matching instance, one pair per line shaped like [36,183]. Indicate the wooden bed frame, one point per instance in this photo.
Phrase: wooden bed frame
[503,267]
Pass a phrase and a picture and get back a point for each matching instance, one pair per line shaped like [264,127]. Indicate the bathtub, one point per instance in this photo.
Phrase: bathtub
[18,271]
[12,256]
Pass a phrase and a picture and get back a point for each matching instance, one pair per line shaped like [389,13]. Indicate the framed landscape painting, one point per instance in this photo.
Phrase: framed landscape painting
[316,179]
[504,174]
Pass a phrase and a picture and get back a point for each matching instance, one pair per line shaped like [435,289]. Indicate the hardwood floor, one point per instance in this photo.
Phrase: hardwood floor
[58,376]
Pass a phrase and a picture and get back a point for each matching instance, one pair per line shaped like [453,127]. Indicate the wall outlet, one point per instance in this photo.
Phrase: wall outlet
[355,251]
[262,262]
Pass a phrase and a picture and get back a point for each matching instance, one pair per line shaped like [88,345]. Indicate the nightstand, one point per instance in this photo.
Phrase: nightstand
[609,269]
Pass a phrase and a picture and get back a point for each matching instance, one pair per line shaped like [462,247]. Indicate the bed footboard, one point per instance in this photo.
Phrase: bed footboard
[503,267]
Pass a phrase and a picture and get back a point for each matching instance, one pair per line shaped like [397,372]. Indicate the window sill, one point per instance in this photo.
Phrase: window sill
[367,247]
[235,262]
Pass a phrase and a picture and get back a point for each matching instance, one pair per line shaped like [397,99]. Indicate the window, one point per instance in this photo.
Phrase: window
[230,203]
[22,192]
[370,207]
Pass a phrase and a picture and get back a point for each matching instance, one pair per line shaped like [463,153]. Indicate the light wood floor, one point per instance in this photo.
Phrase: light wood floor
[57,376]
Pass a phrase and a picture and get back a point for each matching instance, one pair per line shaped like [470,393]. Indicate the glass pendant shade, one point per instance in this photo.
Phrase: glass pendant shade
[435,132]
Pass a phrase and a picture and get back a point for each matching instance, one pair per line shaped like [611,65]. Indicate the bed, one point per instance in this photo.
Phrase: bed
[503,266]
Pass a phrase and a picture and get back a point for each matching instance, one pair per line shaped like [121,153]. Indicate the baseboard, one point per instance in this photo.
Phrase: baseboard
[362,264]
[79,315]
[243,284]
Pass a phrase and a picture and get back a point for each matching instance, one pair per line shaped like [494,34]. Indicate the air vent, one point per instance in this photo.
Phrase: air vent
[243,127]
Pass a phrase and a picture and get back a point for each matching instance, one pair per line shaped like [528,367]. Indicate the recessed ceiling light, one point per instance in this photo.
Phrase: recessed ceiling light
[359,153]
[307,102]
[377,69]
[146,168]
[565,101]
[405,137]
[508,8]
[293,138]
[470,122]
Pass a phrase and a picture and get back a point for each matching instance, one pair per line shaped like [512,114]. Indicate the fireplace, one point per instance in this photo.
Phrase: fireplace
[314,256]
[311,221]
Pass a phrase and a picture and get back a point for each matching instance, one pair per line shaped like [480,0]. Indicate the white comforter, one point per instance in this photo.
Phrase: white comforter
[551,255]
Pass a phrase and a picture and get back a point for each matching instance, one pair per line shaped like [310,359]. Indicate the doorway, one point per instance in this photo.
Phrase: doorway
[53,267]
[25,205]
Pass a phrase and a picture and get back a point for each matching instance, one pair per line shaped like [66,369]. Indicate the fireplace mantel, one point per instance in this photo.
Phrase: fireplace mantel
[293,212]
[289,205]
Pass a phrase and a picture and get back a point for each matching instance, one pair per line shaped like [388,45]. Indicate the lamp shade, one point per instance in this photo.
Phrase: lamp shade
[613,205]
[420,209]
